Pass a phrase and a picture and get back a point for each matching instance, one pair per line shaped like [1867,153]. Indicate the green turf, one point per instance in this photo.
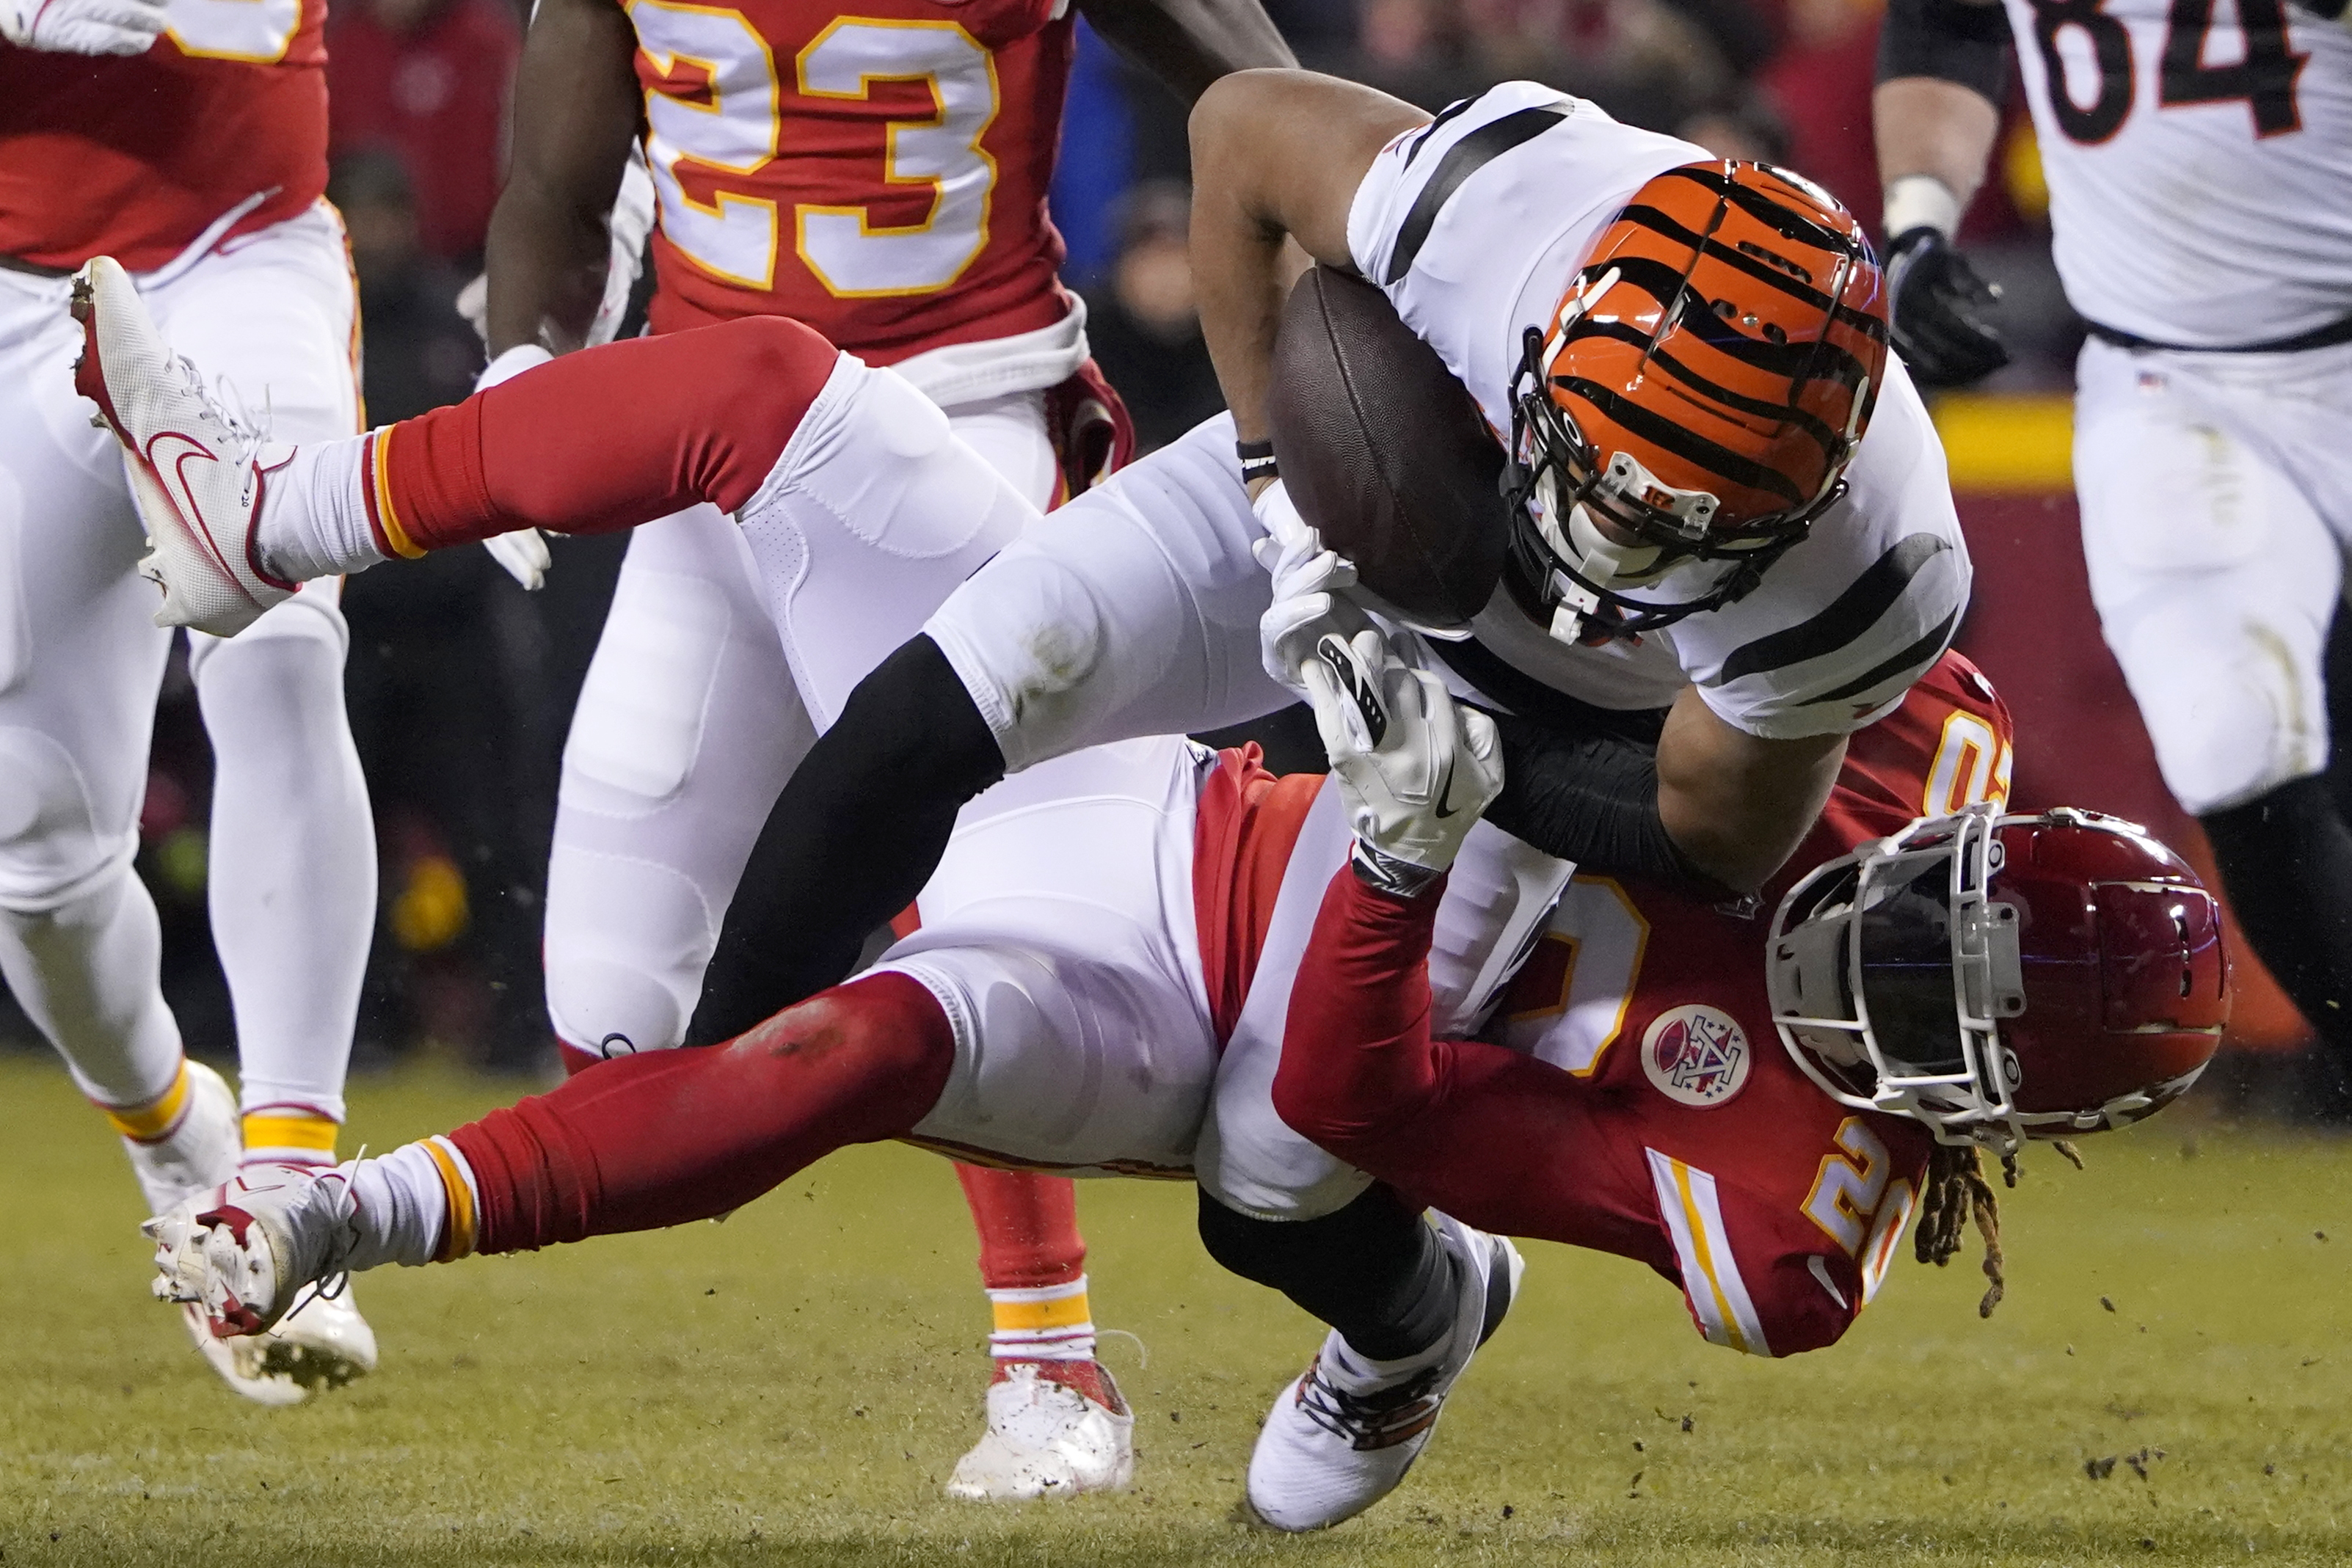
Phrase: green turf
[792,1386]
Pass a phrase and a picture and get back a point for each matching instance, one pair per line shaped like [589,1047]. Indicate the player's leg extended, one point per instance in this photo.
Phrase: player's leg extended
[1132,610]
[687,725]
[2216,580]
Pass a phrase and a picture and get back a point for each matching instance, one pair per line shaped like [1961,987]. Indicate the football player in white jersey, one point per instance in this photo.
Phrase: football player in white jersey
[2200,161]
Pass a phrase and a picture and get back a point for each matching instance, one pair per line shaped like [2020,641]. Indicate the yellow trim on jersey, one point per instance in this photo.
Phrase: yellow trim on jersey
[2014,445]
[145,1124]
[461,1230]
[1703,1246]
[305,1130]
[386,518]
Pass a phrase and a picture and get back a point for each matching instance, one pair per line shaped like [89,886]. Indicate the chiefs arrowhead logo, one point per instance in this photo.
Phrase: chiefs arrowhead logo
[1697,1055]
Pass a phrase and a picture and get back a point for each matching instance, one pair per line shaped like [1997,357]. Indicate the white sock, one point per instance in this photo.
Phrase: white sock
[1043,1322]
[314,511]
[87,974]
[293,885]
[401,1204]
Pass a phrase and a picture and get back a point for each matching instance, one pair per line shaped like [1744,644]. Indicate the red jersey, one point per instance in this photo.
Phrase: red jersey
[879,176]
[1635,1096]
[136,156]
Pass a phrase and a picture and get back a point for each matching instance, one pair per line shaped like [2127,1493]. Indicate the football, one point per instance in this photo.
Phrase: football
[1383,452]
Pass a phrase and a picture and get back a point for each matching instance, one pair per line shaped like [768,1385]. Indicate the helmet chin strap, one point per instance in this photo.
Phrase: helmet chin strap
[1594,555]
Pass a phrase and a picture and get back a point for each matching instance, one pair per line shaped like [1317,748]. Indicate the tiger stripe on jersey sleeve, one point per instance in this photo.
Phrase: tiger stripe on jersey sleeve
[1711,1280]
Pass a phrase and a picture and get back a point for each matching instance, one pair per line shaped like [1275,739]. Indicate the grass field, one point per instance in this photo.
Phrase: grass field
[792,1387]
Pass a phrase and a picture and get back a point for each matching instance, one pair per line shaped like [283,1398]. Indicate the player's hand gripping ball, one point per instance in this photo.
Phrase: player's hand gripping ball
[1415,768]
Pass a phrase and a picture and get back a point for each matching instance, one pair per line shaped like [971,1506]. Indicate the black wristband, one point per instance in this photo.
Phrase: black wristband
[1257,460]
[1385,872]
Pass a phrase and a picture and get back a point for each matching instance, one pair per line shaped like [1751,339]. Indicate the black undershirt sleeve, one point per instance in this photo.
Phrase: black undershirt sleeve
[1590,797]
[1956,41]
[851,841]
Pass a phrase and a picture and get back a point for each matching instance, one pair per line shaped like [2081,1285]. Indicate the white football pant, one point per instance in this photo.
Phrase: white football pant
[1060,936]
[2217,505]
[722,643]
[292,860]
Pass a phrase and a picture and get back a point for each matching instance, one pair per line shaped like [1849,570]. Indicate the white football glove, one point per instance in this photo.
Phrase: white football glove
[1415,768]
[522,553]
[83,27]
[1311,584]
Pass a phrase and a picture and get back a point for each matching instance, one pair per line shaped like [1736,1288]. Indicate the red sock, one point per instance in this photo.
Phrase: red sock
[603,440]
[1028,1226]
[672,1135]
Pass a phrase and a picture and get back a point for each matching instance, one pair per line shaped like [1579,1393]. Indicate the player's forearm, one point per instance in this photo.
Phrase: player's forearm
[1356,1048]
[1188,44]
[1937,129]
[1276,155]
[546,266]
[575,114]
[1736,805]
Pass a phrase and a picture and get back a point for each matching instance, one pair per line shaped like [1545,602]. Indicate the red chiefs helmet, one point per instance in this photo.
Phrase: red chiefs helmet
[1701,388]
[2000,978]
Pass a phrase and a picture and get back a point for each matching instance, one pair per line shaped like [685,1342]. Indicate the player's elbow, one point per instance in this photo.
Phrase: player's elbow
[1327,1116]
[1227,120]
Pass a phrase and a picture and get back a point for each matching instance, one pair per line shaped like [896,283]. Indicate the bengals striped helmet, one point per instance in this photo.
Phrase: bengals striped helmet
[1697,397]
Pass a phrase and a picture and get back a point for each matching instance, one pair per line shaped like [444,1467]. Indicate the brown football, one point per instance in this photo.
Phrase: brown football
[1384,452]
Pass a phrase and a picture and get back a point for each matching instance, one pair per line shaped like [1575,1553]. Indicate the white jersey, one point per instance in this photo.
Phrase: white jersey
[1473,226]
[2199,160]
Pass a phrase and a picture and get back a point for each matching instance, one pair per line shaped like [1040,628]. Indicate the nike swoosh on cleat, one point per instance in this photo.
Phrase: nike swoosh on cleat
[184,504]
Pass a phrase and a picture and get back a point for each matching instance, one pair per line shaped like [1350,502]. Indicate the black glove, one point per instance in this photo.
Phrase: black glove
[1939,308]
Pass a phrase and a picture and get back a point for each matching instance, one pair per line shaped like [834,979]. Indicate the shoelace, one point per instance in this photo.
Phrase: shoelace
[1380,1419]
[334,1276]
[223,403]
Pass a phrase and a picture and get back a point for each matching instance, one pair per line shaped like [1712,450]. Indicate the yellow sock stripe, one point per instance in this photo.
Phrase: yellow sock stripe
[305,1130]
[1018,1317]
[145,1124]
[458,1232]
[386,518]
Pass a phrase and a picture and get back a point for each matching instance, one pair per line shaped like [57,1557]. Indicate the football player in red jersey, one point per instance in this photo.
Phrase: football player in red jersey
[1153,929]
[878,173]
[188,138]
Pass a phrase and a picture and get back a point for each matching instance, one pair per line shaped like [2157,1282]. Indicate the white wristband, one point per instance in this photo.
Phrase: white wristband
[1921,199]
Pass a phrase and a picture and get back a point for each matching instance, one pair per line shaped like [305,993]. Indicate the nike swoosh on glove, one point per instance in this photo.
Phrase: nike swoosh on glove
[1415,768]
[1938,319]
[83,27]
[1311,589]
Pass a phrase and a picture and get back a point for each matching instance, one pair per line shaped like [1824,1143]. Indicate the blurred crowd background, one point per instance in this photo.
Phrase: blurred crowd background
[461,684]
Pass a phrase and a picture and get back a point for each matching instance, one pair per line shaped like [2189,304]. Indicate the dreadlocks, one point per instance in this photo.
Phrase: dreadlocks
[1956,1192]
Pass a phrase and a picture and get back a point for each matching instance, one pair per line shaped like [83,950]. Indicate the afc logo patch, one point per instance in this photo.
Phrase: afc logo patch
[1697,1055]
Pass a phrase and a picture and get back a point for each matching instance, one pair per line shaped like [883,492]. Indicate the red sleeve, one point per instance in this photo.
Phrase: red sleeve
[1494,1138]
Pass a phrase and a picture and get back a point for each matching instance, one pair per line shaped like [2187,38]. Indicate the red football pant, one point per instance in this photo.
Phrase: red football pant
[604,439]
[658,1139]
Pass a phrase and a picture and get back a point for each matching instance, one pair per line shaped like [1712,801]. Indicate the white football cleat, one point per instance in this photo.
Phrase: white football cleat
[194,470]
[1054,1429]
[201,1150]
[322,1343]
[242,1253]
[1326,1454]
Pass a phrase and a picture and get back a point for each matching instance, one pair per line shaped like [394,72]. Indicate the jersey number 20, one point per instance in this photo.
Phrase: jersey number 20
[728,121]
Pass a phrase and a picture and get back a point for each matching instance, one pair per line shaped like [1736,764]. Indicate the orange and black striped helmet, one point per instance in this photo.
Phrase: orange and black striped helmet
[1702,386]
